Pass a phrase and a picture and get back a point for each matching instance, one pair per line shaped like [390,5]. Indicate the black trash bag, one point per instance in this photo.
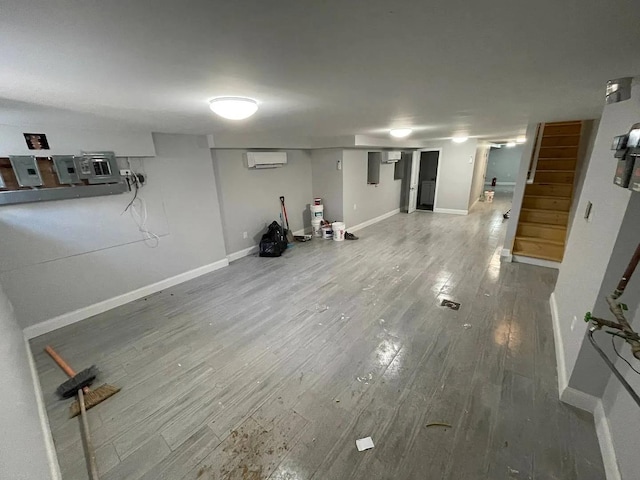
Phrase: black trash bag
[274,242]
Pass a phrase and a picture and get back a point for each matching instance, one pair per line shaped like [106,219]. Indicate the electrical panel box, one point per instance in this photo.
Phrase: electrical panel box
[634,183]
[26,170]
[623,171]
[66,169]
[2,184]
[98,167]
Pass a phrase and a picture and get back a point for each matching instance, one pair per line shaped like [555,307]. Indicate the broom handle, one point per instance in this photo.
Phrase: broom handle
[284,209]
[91,453]
[62,364]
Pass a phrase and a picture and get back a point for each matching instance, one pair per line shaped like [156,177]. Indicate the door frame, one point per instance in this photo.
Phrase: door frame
[415,163]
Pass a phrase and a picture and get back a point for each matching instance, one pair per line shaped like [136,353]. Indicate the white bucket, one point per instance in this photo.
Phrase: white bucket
[327,233]
[317,211]
[488,195]
[316,227]
[338,231]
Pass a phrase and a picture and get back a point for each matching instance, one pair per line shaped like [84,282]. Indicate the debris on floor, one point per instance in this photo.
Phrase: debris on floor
[364,444]
[512,472]
[321,308]
[369,287]
[437,424]
[450,304]
[467,326]
[344,317]
[381,321]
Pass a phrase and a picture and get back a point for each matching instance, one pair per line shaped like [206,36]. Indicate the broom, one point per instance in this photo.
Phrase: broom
[81,381]
[286,219]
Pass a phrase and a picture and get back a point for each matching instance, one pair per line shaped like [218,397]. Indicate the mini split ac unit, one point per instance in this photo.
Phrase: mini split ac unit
[391,157]
[266,159]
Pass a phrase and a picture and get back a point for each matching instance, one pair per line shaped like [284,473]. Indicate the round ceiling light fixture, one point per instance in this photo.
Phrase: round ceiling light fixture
[521,139]
[460,138]
[511,144]
[233,108]
[400,132]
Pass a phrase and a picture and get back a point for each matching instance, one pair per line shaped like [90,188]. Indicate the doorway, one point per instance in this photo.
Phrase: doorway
[423,183]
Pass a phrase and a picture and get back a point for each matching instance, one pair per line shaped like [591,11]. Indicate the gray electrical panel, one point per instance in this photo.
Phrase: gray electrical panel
[98,167]
[66,169]
[26,171]
[2,184]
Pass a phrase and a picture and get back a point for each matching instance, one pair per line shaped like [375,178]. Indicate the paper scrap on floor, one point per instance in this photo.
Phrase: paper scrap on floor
[364,444]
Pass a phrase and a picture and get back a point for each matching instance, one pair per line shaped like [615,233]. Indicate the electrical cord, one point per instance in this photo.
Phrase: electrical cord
[138,209]
[613,368]
[615,349]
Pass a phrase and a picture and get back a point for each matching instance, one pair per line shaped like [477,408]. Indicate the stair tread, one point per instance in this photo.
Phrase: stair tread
[558,158]
[546,225]
[540,240]
[556,171]
[540,210]
[554,197]
[526,253]
[550,183]
[558,146]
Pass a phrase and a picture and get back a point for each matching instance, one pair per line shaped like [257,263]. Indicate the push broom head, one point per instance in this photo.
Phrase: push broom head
[93,398]
[83,379]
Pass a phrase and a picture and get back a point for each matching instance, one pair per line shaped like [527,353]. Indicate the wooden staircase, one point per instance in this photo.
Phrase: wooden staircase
[542,225]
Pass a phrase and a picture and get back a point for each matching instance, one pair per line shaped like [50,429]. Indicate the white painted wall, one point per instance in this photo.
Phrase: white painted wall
[504,164]
[590,243]
[250,198]
[65,141]
[371,201]
[326,181]
[23,455]
[521,183]
[479,169]
[455,174]
[77,267]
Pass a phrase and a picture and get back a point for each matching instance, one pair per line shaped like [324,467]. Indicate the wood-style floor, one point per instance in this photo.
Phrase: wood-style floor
[272,368]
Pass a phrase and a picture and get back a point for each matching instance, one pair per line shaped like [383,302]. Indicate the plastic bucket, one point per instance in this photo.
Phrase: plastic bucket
[317,201]
[316,227]
[338,231]
[488,195]
[327,233]
[317,211]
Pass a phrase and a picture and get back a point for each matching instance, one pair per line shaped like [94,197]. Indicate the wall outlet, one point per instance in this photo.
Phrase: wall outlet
[125,172]
[339,165]
[574,322]
[355,207]
[244,235]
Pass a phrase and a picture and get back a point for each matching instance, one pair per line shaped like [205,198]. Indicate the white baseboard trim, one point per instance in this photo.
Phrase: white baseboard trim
[362,225]
[452,211]
[582,400]
[609,459]
[100,307]
[49,446]
[232,257]
[536,261]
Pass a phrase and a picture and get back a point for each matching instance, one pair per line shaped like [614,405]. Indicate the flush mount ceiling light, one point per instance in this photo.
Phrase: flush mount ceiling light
[521,139]
[460,139]
[511,144]
[233,108]
[400,132]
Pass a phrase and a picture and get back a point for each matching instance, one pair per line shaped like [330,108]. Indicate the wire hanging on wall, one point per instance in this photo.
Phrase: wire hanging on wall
[137,207]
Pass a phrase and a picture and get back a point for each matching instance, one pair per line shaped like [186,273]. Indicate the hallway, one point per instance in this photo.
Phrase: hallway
[272,368]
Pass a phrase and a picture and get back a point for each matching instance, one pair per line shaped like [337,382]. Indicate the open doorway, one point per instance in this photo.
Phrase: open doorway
[427,177]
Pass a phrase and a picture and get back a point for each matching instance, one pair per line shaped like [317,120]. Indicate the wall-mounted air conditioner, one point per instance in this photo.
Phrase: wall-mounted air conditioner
[266,159]
[391,157]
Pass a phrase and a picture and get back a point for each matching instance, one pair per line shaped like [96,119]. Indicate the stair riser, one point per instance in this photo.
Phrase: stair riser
[553,218]
[553,177]
[538,250]
[568,141]
[558,204]
[571,129]
[541,231]
[569,164]
[558,152]
[549,190]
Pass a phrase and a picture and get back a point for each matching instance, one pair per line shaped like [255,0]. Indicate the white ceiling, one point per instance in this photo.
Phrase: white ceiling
[319,68]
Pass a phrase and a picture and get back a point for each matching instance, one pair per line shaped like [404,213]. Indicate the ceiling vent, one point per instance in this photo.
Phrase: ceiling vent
[266,159]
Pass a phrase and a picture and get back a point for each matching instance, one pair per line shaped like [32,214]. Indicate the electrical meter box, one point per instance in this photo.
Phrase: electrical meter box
[66,169]
[98,167]
[623,171]
[634,183]
[26,170]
